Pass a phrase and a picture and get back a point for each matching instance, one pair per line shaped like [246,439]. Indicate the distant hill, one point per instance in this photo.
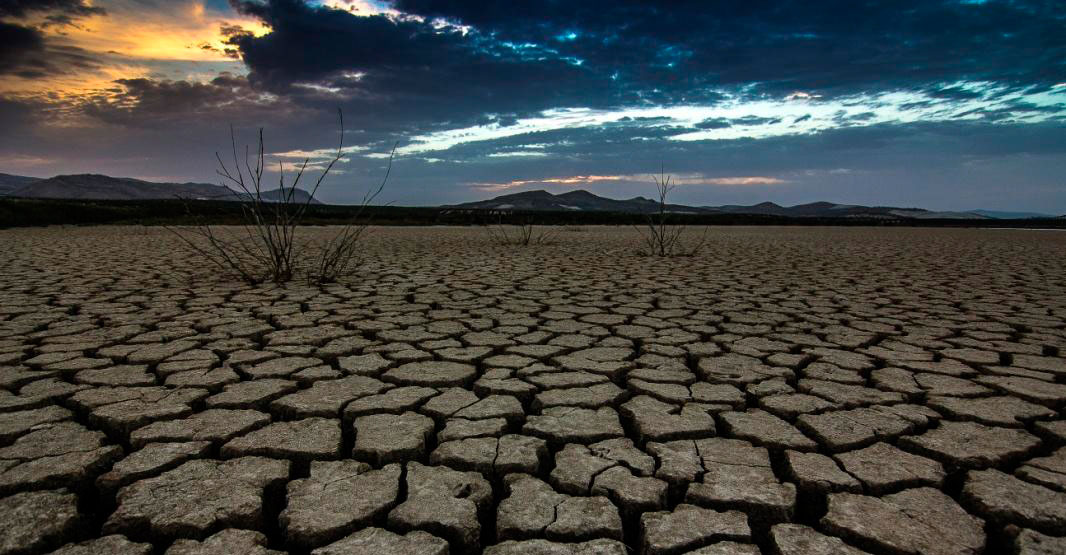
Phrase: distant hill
[833,210]
[10,182]
[276,195]
[103,187]
[579,200]
[582,200]
[1001,215]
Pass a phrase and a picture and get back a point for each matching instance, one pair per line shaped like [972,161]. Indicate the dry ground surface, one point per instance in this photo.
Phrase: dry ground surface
[789,391]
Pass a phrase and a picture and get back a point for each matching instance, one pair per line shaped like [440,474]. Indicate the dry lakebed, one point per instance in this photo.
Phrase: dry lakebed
[788,390]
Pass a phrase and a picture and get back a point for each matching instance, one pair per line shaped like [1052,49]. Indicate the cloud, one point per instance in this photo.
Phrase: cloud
[161,30]
[736,181]
[25,54]
[150,103]
[428,64]
[799,47]
[24,51]
[585,180]
[414,73]
[734,117]
[17,43]
[569,181]
[70,48]
[331,40]
[713,123]
[52,8]
[428,58]
[756,120]
[18,162]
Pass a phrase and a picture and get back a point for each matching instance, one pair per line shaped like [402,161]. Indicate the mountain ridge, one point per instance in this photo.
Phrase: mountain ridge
[91,186]
[582,200]
[10,182]
[104,187]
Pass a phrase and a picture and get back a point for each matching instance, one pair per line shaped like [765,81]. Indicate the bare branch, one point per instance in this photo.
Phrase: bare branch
[659,237]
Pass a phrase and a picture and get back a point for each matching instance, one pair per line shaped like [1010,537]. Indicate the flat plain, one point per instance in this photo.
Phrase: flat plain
[786,391]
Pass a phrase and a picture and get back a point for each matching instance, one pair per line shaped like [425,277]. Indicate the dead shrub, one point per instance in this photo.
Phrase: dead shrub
[521,234]
[659,236]
[267,247]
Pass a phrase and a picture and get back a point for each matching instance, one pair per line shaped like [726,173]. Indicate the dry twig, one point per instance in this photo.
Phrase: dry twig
[660,237]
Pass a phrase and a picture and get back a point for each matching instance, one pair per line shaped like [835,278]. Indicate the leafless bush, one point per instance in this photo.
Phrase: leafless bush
[267,247]
[522,234]
[659,236]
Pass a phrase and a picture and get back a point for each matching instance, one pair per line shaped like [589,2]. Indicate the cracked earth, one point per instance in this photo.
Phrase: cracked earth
[789,391]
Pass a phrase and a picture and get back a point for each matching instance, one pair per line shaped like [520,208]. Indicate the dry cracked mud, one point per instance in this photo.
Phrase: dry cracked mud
[788,391]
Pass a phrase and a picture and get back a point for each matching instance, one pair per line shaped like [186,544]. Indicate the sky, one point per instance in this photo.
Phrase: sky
[939,104]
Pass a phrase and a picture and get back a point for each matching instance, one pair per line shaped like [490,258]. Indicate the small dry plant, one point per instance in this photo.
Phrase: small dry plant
[659,236]
[266,247]
[521,234]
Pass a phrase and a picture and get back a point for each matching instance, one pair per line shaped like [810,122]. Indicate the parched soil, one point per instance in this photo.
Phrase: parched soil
[787,391]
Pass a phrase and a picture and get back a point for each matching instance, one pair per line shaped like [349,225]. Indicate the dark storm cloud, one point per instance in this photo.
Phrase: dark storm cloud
[831,46]
[16,43]
[155,103]
[68,9]
[25,52]
[410,73]
[307,42]
[519,58]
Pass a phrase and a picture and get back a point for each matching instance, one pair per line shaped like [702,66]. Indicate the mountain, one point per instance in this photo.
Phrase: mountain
[579,200]
[921,214]
[833,210]
[103,187]
[1001,215]
[582,200]
[10,182]
[276,195]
